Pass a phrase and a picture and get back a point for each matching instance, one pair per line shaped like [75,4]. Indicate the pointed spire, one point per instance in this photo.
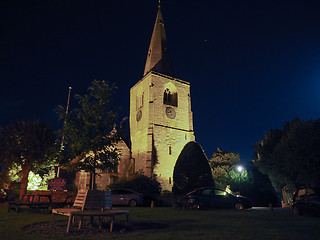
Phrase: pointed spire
[158,58]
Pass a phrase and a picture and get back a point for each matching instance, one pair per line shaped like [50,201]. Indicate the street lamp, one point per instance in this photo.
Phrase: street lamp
[239,168]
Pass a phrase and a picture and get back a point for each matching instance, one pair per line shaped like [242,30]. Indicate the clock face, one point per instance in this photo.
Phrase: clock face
[139,115]
[170,112]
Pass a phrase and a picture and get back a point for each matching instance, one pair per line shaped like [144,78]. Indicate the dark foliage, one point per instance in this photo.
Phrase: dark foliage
[87,134]
[257,187]
[142,184]
[27,144]
[291,156]
[192,170]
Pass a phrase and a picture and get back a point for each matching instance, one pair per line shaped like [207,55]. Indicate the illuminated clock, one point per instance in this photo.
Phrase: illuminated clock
[139,115]
[170,112]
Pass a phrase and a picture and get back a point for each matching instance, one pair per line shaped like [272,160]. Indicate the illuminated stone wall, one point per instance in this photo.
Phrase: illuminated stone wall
[157,140]
[104,179]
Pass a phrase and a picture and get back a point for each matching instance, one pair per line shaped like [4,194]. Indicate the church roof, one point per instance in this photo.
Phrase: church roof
[158,58]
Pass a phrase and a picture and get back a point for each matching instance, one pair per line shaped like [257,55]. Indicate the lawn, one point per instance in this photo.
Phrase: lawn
[168,223]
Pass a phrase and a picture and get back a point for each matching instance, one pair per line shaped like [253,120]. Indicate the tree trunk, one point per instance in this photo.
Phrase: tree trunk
[24,180]
[93,180]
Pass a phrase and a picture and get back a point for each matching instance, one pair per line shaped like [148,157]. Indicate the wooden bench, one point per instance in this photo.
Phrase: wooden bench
[91,203]
[110,213]
[79,204]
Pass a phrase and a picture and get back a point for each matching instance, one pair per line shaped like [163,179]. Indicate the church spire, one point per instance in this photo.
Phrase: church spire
[158,58]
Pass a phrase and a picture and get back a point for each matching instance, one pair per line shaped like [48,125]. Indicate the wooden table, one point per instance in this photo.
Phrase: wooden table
[32,197]
[31,203]
[112,213]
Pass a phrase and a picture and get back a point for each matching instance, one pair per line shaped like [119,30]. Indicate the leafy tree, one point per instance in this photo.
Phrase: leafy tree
[87,137]
[291,156]
[250,182]
[223,166]
[27,144]
[192,169]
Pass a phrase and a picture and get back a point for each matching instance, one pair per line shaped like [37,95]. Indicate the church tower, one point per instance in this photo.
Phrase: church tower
[160,113]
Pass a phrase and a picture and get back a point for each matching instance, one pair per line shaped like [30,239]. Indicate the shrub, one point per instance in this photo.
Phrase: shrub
[192,170]
[142,184]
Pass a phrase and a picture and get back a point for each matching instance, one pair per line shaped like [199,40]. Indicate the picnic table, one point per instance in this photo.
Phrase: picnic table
[36,201]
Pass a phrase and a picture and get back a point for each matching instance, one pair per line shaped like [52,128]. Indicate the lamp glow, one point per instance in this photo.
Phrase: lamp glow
[239,168]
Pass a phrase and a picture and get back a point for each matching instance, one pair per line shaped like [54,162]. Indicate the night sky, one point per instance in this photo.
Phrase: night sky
[252,65]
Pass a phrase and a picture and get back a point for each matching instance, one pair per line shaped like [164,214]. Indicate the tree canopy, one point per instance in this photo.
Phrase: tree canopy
[223,166]
[88,141]
[27,144]
[291,156]
[192,169]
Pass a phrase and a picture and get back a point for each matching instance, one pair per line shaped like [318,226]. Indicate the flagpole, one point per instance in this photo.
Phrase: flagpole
[67,110]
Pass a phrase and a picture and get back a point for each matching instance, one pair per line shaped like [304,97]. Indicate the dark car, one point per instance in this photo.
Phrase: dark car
[306,201]
[216,198]
[126,197]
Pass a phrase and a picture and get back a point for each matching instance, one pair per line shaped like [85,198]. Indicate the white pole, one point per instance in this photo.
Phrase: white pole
[67,110]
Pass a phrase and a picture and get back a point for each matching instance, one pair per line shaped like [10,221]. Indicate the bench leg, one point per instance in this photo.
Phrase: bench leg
[69,222]
[80,223]
[100,222]
[112,222]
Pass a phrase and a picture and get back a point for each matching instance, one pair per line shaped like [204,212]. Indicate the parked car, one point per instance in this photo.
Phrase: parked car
[126,197]
[210,197]
[306,201]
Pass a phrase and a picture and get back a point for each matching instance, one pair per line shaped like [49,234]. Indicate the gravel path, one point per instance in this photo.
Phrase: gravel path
[58,228]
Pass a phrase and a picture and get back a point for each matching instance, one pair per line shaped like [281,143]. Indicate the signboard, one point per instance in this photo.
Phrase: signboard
[107,199]
[58,184]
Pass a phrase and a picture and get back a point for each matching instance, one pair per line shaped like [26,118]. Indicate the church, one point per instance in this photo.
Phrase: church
[160,112]
[160,119]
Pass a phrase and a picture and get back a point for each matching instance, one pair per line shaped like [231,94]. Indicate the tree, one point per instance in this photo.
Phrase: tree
[192,169]
[27,144]
[249,182]
[291,156]
[87,137]
[223,166]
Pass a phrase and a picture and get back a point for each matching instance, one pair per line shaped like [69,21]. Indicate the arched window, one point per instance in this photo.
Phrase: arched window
[139,101]
[170,96]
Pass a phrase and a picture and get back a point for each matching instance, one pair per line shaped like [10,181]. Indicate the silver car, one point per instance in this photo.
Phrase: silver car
[126,197]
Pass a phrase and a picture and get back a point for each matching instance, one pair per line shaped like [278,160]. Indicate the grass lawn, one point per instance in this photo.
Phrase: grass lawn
[174,224]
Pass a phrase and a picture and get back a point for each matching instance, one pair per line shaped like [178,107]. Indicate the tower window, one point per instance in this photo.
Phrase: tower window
[170,150]
[139,101]
[170,98]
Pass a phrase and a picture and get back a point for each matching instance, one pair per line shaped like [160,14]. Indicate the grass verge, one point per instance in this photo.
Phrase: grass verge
[168,223]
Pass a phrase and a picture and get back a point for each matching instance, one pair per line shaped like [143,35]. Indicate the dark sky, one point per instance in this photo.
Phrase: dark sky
[252,65]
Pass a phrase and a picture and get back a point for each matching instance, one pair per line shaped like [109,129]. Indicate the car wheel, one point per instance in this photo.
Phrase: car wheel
[132,203]
[239,206]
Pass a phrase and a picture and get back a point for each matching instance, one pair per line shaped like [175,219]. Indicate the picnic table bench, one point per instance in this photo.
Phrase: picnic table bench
[30,202]
[33,201]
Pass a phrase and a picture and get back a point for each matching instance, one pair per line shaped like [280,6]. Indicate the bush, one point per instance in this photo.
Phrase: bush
[192,170]
[150,188]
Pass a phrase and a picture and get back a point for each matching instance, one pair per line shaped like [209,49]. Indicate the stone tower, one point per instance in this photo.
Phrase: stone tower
[160,113]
